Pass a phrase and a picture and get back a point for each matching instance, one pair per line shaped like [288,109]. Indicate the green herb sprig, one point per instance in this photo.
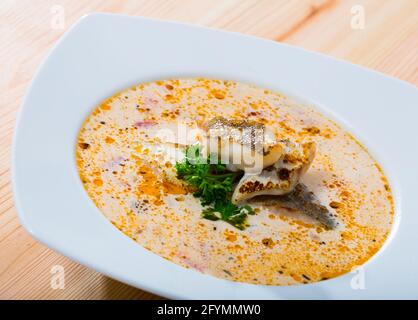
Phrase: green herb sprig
[213,184]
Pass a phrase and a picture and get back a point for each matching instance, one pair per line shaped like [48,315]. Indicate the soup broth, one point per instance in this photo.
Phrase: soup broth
[126,154]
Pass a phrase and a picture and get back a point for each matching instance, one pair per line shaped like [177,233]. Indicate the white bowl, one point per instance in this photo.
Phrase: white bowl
[105,53]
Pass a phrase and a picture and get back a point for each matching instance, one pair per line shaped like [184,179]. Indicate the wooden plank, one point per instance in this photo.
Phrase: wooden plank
[388,43]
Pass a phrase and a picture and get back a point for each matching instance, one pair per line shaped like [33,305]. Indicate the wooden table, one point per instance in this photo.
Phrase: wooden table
[379,34]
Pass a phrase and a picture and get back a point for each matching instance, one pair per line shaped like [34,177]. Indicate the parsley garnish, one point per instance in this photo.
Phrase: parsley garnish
[214,185]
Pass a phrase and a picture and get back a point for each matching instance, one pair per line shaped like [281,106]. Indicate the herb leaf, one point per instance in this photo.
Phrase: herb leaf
[229,212]
[213,184]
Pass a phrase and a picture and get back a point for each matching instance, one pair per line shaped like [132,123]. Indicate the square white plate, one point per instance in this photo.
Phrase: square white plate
[105,53]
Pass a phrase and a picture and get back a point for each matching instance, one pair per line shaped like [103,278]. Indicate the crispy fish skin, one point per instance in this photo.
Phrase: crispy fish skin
[284,163]
[280,178]
[305,201]
[244,132]
[245,145]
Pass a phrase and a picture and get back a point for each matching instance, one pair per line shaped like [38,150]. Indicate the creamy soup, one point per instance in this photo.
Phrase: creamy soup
[126,155]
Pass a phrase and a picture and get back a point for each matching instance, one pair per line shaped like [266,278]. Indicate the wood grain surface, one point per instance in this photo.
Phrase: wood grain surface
[385,40]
